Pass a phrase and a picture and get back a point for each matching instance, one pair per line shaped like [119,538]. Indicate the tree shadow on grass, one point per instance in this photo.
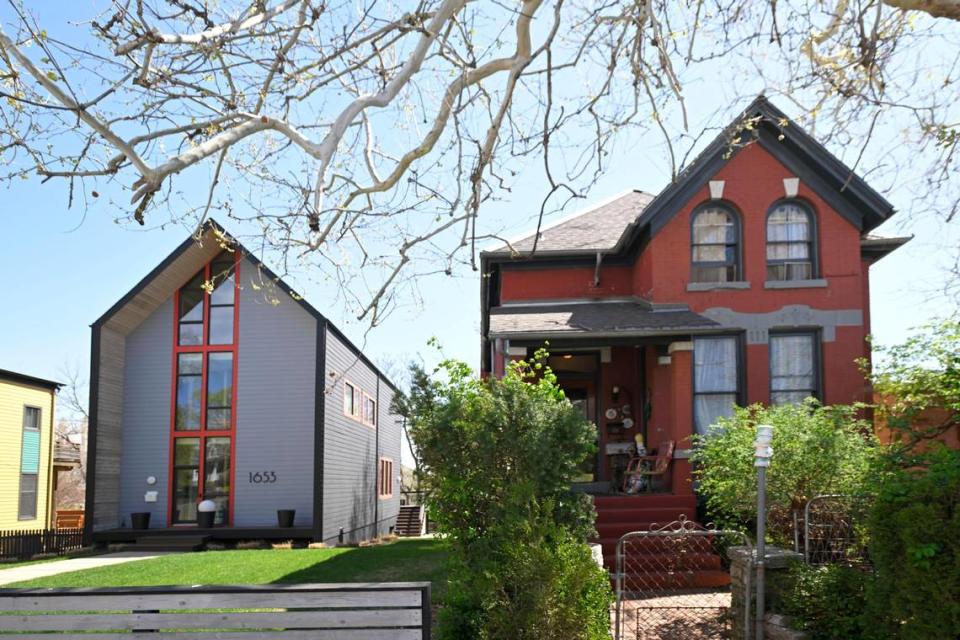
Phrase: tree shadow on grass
[420,560]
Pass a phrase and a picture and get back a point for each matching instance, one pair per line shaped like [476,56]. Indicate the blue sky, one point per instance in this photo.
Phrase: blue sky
[61,268]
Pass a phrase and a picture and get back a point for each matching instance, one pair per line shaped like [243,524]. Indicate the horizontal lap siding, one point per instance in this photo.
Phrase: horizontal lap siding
[13,398]
[390,434]
[350,450]
[275,403]
[106,501]
[145,439]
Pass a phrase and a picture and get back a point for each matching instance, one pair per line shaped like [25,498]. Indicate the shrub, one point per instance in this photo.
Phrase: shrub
[499,456]
[915,547]
[829,602]
[816,450]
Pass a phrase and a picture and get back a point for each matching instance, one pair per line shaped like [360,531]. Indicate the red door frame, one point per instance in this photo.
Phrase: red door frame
[205,349]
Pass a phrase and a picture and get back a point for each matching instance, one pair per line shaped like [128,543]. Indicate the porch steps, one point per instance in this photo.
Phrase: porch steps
[410,521]
[650,566]
[168,543]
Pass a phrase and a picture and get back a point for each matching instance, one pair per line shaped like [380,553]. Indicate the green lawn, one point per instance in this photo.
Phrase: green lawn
[402,561]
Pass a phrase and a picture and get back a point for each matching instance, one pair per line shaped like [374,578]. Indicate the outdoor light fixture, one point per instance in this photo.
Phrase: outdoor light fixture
[761,460]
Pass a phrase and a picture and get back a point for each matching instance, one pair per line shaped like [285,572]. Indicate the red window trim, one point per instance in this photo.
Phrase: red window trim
[205,349]
[386,474]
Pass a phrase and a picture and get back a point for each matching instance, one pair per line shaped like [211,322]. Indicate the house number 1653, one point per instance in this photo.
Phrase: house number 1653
[262,477]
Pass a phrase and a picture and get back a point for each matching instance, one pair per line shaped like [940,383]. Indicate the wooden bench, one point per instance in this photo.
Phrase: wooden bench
[352,611]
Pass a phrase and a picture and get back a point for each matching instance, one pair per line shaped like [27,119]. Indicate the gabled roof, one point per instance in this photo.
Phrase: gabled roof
[181,265]
[598,228]
[760,123]
[22,378]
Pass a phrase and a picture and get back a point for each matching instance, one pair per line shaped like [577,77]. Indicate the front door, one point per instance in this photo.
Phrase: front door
[582,395]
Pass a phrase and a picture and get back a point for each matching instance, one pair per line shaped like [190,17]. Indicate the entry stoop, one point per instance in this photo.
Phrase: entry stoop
[410,521]
[168,543]
[617,515]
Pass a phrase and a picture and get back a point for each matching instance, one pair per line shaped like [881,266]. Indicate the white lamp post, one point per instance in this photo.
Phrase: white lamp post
[762,454]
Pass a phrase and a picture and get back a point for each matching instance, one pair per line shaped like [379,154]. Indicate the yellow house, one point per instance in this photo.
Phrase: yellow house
[26,451]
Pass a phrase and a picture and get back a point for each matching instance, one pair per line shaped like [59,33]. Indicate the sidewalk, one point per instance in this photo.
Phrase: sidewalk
[44,569]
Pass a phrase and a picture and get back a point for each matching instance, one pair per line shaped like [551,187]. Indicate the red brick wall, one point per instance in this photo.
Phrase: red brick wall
[753,182]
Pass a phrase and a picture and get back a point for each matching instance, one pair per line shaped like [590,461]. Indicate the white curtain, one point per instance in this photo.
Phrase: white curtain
[714,380]
[792,376]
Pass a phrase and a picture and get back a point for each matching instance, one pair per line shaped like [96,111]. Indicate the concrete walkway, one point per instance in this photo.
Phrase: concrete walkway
[44,569]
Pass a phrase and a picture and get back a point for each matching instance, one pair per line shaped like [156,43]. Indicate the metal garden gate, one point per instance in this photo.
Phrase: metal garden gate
[674,582]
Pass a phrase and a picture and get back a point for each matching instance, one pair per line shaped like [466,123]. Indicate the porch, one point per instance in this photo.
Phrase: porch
[186,537]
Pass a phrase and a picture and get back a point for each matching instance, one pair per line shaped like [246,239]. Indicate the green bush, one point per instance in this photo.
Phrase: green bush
[499,456]
[915,547]
[829,602]
[816,450]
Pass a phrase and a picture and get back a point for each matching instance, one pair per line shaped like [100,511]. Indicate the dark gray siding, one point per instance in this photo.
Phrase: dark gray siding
[275,403]
[350,451]
[390,435]
[145,439]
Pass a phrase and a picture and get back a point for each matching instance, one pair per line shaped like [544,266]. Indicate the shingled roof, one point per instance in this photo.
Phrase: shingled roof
[593,319]
[598,228]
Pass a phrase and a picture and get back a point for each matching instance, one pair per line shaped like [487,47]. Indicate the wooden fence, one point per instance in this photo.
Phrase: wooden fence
[352,611]
[23,545]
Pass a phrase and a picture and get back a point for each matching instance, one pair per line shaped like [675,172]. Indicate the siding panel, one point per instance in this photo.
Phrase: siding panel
[275,403]
[390,435]
[145,440]
[350,451]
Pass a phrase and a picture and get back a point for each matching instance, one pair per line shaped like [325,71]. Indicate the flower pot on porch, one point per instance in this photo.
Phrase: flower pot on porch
[206,514]
[285,518]
[140,520]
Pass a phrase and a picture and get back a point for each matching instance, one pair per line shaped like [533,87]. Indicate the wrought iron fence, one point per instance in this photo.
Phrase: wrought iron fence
[834,530]
[674,581]
[23,545]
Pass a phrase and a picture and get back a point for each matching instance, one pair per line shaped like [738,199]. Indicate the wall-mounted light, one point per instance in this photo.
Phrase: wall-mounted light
[615,392]
[567,356]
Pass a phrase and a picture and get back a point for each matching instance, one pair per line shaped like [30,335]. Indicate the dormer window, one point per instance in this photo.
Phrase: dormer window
[790,244]
[715,245]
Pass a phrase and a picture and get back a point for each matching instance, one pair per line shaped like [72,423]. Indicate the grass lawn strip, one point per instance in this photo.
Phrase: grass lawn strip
[411,560]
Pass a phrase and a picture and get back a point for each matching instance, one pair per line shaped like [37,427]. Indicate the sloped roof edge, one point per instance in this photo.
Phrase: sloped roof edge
[211,225]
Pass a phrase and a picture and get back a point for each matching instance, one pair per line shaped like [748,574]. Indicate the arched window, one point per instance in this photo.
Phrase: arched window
[790,242]
[715,245]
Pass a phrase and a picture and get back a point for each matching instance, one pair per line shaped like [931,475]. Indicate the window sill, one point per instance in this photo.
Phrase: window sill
[795,284]
[710,286]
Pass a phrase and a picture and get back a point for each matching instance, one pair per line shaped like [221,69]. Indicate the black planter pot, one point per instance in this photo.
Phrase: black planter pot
[140,520]
[285,518]
[205,519]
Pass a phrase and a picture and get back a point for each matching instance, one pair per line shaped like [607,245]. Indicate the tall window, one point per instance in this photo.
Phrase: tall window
[715,245]
[716,379]
[386,478]
[794,366]
[790,248]
[369,411]
[29,463]
[203,421]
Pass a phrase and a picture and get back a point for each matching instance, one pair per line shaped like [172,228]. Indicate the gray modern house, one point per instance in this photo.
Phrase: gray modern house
[212,381]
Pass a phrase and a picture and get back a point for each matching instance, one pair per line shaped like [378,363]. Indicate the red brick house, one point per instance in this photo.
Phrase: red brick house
[745,280]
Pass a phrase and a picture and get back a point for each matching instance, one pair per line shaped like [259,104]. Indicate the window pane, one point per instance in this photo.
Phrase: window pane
[191,300]
[220,380]
[788,222]
[711,253]
[189,364]
[191,334]
[799,270]
[222,511]
[186,494]
[217,467]
[31,418]
[218,419]
[188,403]
[186,452]
[787,251]
[713,226]
[708,408]
[221,273]
[28,496]
[221,325]
[348,399]
[712,274]
[791,358]
[789,397]
[715,365]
